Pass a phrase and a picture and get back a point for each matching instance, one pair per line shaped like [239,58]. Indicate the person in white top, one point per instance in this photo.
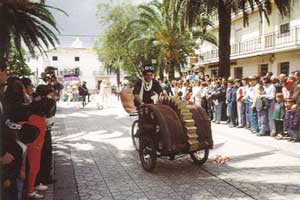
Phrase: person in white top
[270,92]
[240,104]
[195,90]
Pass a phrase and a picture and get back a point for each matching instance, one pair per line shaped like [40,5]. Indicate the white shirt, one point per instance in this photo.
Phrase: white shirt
[270,91]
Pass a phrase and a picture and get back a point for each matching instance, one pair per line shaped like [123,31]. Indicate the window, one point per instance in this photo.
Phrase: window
[77,71]
[285,28]
[54,58]
[77,59]
[263,69]
[284,68]
[238,72]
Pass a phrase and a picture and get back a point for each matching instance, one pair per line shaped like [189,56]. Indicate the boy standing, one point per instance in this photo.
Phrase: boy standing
[261,107]
[278,115]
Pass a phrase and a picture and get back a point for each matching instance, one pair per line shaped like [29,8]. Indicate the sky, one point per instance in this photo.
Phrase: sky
[81,21]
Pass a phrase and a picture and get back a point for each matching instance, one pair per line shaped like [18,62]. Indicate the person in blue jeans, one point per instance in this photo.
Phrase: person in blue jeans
[231,104]
[261,107]
[270,92]
[246,102]
[252,94]
[218,98]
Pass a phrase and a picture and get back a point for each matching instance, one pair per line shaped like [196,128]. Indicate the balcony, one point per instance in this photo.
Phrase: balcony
[101,73]
[269,43]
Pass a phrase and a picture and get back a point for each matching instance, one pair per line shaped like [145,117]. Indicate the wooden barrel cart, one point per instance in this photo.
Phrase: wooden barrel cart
[171,128]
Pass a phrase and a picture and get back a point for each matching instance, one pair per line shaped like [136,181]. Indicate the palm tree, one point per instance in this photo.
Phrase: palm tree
[26,22]
[225,9]
[161,26]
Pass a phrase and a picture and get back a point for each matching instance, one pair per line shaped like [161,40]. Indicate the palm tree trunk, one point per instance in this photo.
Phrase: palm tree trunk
[161,73]
[224,39]
[171,71]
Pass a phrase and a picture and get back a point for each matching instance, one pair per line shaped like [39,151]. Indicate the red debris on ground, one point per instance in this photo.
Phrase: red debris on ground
[221,159]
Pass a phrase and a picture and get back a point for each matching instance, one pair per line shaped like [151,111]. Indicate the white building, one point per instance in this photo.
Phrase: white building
[73,61]
[259,47]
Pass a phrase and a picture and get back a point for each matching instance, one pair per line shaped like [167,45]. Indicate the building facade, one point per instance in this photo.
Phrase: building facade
[259,47]
[72,62]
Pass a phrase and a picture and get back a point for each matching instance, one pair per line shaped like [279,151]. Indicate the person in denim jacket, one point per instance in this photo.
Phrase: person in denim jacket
[292,120]
[261,107]
[231,104]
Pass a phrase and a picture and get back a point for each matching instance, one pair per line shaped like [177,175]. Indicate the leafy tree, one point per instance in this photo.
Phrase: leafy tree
[28,23]
[112,47]
[16,64]
[162,29]
[225,9]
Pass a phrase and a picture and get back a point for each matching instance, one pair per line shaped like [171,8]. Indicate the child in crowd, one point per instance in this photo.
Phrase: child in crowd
[261,107]
[188,95]
[292,120]
[278,115]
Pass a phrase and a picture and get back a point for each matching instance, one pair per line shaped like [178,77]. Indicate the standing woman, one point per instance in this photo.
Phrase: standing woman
[270,92]
[240,103]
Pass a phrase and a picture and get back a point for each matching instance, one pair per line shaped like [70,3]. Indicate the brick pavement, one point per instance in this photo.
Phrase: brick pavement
[95,159]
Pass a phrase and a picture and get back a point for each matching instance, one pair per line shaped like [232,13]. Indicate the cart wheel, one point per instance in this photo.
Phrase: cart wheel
[100,107]
[135,134]
[147,153]
[200,157]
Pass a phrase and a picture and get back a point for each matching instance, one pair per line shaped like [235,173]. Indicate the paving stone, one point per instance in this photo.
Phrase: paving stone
[95,159]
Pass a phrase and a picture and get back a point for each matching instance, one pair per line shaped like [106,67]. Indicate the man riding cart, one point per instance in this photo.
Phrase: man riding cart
[168,128]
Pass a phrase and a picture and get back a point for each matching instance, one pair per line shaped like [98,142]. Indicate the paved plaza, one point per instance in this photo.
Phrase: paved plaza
[94,159]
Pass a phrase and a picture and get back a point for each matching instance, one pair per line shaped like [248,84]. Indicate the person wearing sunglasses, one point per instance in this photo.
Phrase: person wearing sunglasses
[146,88]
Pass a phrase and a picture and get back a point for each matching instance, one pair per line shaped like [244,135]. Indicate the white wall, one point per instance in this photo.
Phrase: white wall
[66,60]
[88,63]
[257,26]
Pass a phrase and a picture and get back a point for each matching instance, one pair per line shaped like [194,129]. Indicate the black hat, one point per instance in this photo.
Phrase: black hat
[148,68]
[26,82]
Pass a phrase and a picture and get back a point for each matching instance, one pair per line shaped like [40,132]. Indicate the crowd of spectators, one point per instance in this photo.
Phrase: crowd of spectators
[266,105]
[26,120]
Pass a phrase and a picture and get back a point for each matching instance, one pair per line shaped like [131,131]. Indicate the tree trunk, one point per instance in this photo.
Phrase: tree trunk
[171,71]
[224,39]
[118,76]
[161,73]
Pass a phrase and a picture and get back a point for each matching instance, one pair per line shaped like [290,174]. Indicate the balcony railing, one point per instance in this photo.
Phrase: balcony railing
[268,42]
[101,73]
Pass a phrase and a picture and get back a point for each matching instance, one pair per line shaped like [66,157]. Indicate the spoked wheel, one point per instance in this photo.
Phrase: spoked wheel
[147,153]
[100,107]
[135,134]
[200,157]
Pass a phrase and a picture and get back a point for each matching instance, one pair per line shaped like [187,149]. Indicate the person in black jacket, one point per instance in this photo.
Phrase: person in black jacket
[84,92]
[218,97]
[146,87]
[14,111]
